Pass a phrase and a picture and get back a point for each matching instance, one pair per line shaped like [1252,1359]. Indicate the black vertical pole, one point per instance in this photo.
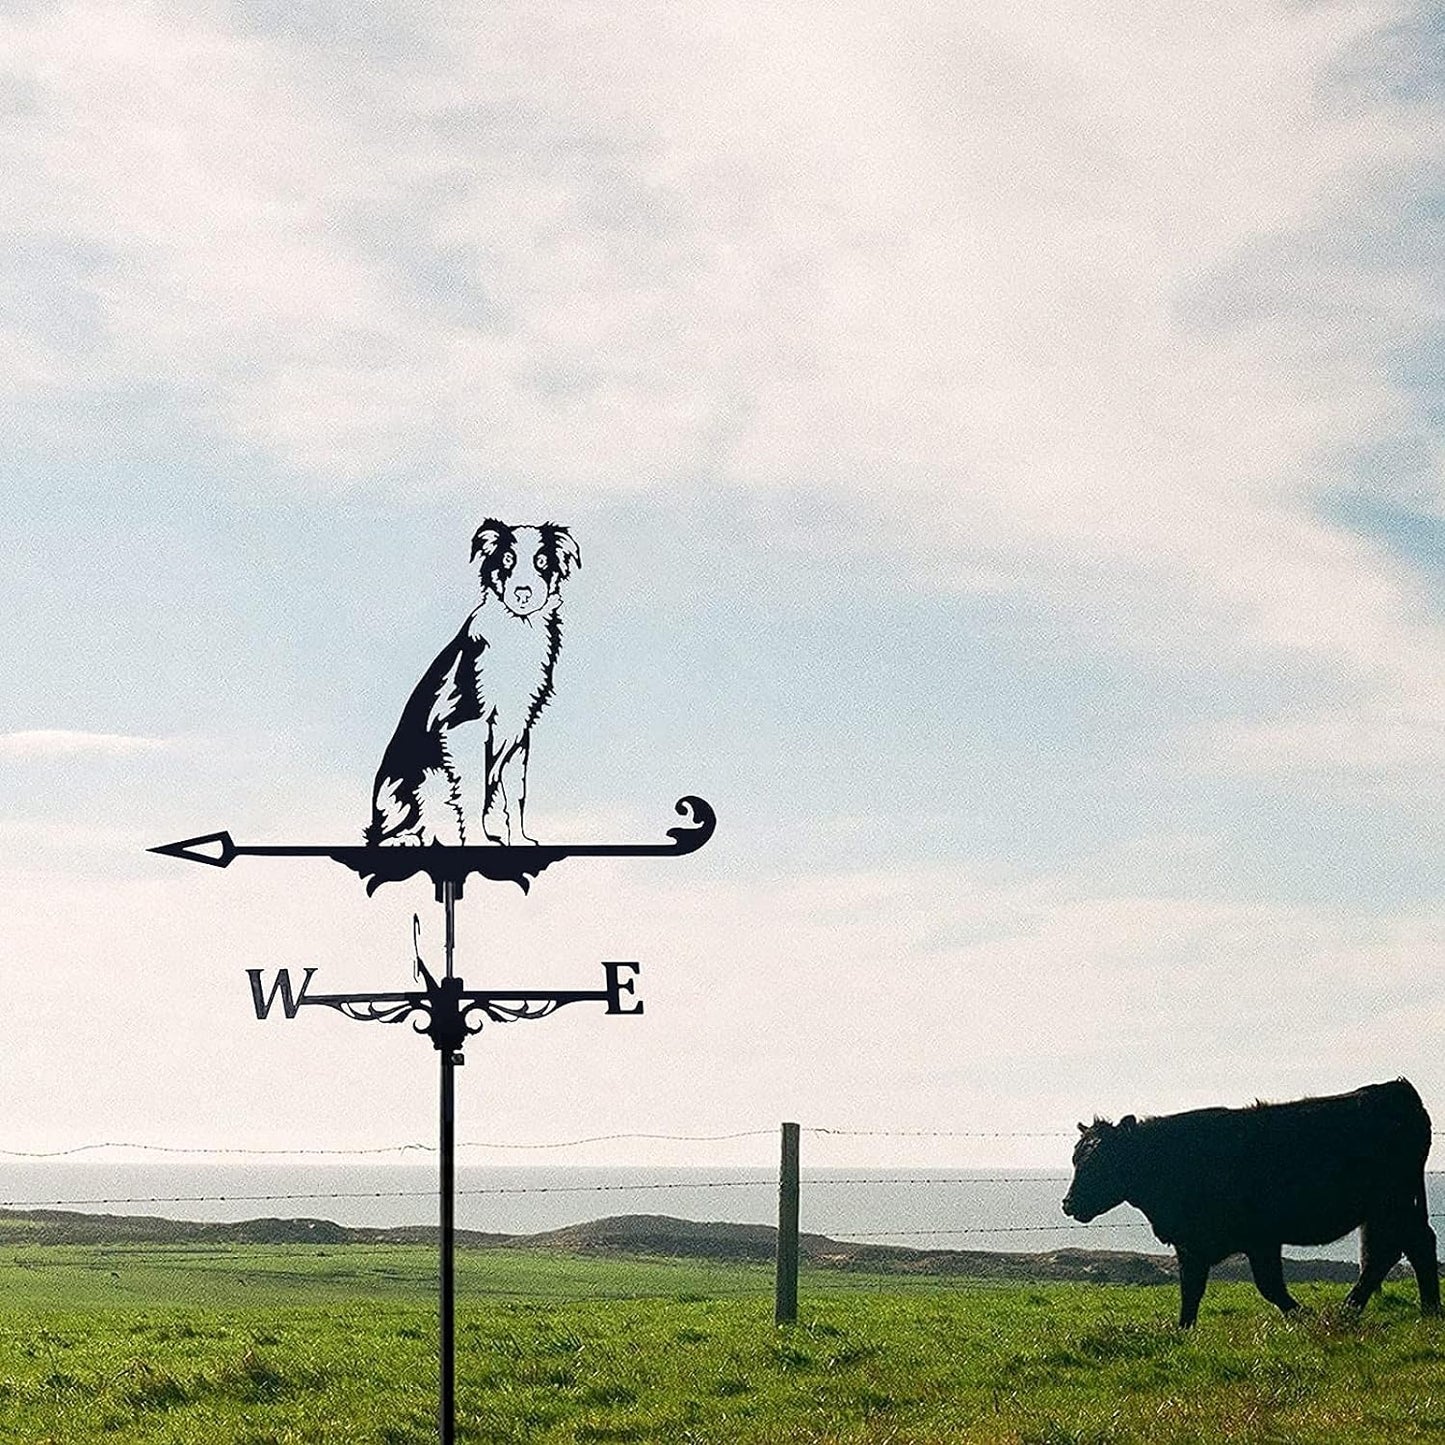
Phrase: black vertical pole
[446,1394]
[785,1310]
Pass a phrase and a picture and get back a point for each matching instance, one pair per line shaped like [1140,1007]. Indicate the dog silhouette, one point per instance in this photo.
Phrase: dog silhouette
[496,673]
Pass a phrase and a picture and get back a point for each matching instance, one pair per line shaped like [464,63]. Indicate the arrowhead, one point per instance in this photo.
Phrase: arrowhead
[217,849]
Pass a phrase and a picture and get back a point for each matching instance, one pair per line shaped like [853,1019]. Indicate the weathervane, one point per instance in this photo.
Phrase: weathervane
[492,679]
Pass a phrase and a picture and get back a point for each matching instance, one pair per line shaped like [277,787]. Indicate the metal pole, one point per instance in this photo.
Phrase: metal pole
[446,1394]
[449,899]
[447,1402]
[785,1309]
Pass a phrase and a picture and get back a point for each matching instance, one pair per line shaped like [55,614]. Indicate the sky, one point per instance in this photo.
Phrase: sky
[1004,447]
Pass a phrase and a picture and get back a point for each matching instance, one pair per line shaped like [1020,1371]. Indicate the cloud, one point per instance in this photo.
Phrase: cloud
[1033,299]
[936,998]
[47,744]
[1041,293]
[881,253]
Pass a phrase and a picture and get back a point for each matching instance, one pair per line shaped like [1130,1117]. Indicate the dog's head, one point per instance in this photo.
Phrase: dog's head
[524,566]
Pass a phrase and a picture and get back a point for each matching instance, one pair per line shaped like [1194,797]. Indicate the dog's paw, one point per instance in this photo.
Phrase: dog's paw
[497,826]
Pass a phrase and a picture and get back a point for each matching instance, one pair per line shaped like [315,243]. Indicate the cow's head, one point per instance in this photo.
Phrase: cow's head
[1102,1168]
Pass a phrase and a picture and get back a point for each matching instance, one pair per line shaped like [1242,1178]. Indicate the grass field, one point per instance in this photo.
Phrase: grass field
[284,1345]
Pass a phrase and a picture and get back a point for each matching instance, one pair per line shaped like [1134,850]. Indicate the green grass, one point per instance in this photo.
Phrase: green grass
[280,1346]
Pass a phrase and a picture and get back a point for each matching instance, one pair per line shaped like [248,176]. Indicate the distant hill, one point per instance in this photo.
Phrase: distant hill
[642,1234]
[689,1239]
[60,1226]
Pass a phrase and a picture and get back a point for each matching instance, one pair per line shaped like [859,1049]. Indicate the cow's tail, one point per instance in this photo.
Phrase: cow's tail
[1410,1118]
[1421,1138]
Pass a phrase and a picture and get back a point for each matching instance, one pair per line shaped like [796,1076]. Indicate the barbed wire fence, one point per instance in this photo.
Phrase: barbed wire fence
[660,1186]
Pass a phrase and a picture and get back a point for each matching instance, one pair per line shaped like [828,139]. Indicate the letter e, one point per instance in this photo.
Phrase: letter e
[617,986]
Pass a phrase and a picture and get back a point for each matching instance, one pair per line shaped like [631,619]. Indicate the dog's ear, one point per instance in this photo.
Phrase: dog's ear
[563,548]
[490,536]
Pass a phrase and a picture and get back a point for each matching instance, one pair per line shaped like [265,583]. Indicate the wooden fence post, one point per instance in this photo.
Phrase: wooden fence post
[785,1311]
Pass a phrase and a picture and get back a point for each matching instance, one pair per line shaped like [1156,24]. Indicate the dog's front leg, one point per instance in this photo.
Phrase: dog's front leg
[496,822]
[503,813]
[514,785]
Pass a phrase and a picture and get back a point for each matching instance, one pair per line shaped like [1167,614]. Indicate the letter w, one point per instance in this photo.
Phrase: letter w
[290,1002]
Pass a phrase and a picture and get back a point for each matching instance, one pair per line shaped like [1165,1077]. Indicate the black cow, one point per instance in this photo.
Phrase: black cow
[1216,1182]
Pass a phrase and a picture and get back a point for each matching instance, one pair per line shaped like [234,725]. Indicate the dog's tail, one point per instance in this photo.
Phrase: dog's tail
[376,831]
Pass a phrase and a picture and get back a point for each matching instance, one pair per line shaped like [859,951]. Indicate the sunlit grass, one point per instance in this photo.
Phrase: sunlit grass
[281,1346]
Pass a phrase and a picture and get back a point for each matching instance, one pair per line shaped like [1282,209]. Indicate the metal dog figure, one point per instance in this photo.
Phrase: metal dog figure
[497,671]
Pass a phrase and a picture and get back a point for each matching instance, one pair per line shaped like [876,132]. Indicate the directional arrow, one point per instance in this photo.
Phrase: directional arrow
[450,863]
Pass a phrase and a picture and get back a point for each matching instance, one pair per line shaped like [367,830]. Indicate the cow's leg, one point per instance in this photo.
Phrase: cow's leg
[1380,1248]
[1267,1266]
[1420,1251]
[1193,1276]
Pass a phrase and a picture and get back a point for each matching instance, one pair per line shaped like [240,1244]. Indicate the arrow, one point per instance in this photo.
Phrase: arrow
[450,863]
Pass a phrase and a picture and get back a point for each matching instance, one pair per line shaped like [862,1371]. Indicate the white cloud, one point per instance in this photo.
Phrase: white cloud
[974,269]
[921,999]
[1376,742]
[1055,298]
[777,251]
[52,743]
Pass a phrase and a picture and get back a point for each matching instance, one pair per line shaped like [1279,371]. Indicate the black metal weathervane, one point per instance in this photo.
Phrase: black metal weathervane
[493,678]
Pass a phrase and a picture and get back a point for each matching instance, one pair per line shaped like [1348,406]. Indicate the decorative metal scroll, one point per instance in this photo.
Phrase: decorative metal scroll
[450,1013]
[453,863]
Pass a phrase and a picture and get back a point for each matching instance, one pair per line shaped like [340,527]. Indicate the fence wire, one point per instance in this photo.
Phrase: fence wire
[651,1186]
[421,1147]
[656,1186]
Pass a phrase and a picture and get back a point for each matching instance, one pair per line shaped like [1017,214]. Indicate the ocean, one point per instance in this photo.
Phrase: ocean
[1003,1209]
